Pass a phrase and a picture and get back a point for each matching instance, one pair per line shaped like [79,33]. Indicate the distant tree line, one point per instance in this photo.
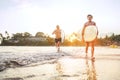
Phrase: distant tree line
[26,39]
[106,41]
[42,39]
[109,40]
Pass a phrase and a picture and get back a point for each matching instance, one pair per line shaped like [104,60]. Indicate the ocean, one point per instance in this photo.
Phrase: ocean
[45,63]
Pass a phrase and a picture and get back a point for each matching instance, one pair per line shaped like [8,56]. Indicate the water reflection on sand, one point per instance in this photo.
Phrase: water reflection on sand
[70,64]
[76,69]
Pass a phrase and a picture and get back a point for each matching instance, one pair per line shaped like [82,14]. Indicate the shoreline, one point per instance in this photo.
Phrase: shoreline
[34,63]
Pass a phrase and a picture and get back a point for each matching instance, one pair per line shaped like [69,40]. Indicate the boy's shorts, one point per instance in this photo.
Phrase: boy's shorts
[57,40]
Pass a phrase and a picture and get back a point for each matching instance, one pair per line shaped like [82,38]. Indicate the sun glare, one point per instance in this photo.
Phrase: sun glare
[72,38]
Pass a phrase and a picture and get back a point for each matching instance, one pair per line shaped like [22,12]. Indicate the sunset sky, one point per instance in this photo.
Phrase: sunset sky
[43,15]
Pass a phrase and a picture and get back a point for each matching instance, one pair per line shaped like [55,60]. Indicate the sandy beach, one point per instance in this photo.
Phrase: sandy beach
[44,63]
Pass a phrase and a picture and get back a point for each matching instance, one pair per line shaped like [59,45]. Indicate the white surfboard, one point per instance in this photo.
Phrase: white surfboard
[90,33]
[62,36]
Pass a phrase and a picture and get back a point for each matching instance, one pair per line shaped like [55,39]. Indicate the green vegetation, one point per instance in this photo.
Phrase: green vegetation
[42,39]
[111,40]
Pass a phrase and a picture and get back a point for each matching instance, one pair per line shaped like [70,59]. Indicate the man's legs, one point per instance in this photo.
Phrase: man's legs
[86,50]
[92,49]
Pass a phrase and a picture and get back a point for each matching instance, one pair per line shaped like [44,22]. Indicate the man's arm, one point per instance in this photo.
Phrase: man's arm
[97,30]
[83,31]
[96,27]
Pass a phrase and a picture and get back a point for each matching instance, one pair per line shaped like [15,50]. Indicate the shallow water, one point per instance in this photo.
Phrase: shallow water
[45,64]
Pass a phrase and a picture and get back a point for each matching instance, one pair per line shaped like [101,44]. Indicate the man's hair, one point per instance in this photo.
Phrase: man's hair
[89,15]
[57,25]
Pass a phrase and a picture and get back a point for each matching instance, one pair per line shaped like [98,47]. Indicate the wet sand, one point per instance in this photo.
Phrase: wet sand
[44,63]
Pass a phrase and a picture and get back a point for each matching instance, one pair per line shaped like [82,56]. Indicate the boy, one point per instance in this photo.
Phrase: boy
[87,24]
[57,33]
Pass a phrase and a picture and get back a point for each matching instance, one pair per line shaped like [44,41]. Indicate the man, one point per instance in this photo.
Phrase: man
[87,24]
[57,33]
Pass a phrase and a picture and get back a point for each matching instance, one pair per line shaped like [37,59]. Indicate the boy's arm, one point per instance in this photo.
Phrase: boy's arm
[53,32]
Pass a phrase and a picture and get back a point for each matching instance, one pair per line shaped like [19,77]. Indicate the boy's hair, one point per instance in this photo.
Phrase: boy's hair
[57,26]
[89,15]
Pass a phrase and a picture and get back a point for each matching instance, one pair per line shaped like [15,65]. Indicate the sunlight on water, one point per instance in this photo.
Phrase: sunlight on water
[75,68]
[71,66]
[66,68]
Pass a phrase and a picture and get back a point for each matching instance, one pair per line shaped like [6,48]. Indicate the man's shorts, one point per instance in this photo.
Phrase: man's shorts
[57,40]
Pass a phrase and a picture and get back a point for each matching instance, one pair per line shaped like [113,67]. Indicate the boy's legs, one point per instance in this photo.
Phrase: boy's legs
[56,43]
[59,41]
[58,46]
